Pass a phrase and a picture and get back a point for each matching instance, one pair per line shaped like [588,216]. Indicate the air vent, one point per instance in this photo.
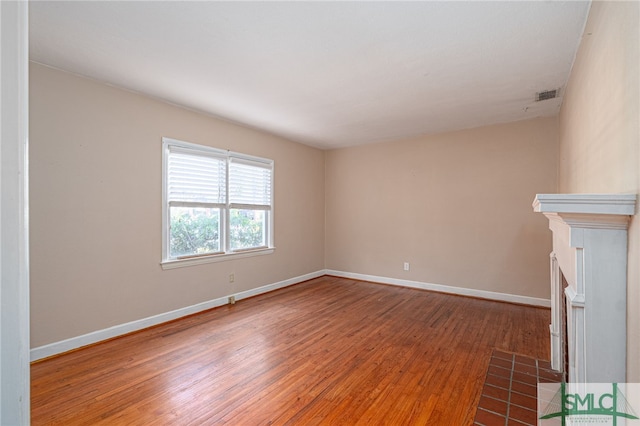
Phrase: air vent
[547,94]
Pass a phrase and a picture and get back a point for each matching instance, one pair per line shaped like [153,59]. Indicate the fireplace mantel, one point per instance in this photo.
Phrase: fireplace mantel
[590,250]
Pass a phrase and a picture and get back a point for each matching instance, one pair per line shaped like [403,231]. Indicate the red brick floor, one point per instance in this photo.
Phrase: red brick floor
[510,390]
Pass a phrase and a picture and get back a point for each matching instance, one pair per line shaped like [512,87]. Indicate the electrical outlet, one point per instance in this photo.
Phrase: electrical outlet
[232,277]
[232,300]
[406,266]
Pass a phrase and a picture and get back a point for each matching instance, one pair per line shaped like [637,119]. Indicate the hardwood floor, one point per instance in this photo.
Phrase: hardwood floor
[327,351]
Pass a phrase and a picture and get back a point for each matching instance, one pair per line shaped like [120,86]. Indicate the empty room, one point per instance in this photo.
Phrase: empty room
[251,213]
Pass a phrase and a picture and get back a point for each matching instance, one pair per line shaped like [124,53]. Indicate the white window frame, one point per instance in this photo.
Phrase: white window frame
[226,252]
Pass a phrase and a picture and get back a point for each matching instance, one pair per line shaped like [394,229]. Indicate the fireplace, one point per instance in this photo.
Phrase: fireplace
[590,252]
[564,350]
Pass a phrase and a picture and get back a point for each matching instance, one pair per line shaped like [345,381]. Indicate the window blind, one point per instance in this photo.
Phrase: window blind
[250,184]
[195,178]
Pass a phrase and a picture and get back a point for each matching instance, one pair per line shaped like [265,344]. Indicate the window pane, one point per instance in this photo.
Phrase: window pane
[194,231]
[247,228]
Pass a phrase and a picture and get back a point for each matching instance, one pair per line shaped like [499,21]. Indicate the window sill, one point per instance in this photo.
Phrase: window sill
[181,263]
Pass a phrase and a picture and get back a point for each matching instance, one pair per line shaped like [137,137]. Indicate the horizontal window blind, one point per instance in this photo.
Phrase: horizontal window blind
[250,184]
[196,178]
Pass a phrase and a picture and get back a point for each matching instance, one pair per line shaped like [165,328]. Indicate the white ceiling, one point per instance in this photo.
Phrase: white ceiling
[327,74]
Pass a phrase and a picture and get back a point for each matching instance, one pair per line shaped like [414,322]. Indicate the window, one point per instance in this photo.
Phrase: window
[216,204]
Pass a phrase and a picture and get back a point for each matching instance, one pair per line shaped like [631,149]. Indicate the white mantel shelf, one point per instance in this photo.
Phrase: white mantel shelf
[610,204]
[590,249]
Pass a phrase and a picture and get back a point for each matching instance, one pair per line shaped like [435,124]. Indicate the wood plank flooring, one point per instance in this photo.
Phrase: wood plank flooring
[328,351]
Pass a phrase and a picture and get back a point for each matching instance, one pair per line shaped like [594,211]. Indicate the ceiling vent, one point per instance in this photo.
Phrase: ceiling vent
[547,94]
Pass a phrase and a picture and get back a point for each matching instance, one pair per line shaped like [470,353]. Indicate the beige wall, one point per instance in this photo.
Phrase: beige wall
[457,206]
[600,130]
[95,187]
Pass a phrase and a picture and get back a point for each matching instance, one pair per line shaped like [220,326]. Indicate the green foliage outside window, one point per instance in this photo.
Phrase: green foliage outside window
[247,229]
[196,231]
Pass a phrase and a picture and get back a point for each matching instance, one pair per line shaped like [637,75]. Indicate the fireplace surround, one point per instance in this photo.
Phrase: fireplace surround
[590,251]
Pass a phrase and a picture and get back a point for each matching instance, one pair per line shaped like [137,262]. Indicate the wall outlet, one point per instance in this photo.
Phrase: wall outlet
[232,277]
[406,266]
[232,300]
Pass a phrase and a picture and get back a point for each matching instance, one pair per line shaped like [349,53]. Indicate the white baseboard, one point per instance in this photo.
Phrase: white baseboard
[503,297]
[121,329]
